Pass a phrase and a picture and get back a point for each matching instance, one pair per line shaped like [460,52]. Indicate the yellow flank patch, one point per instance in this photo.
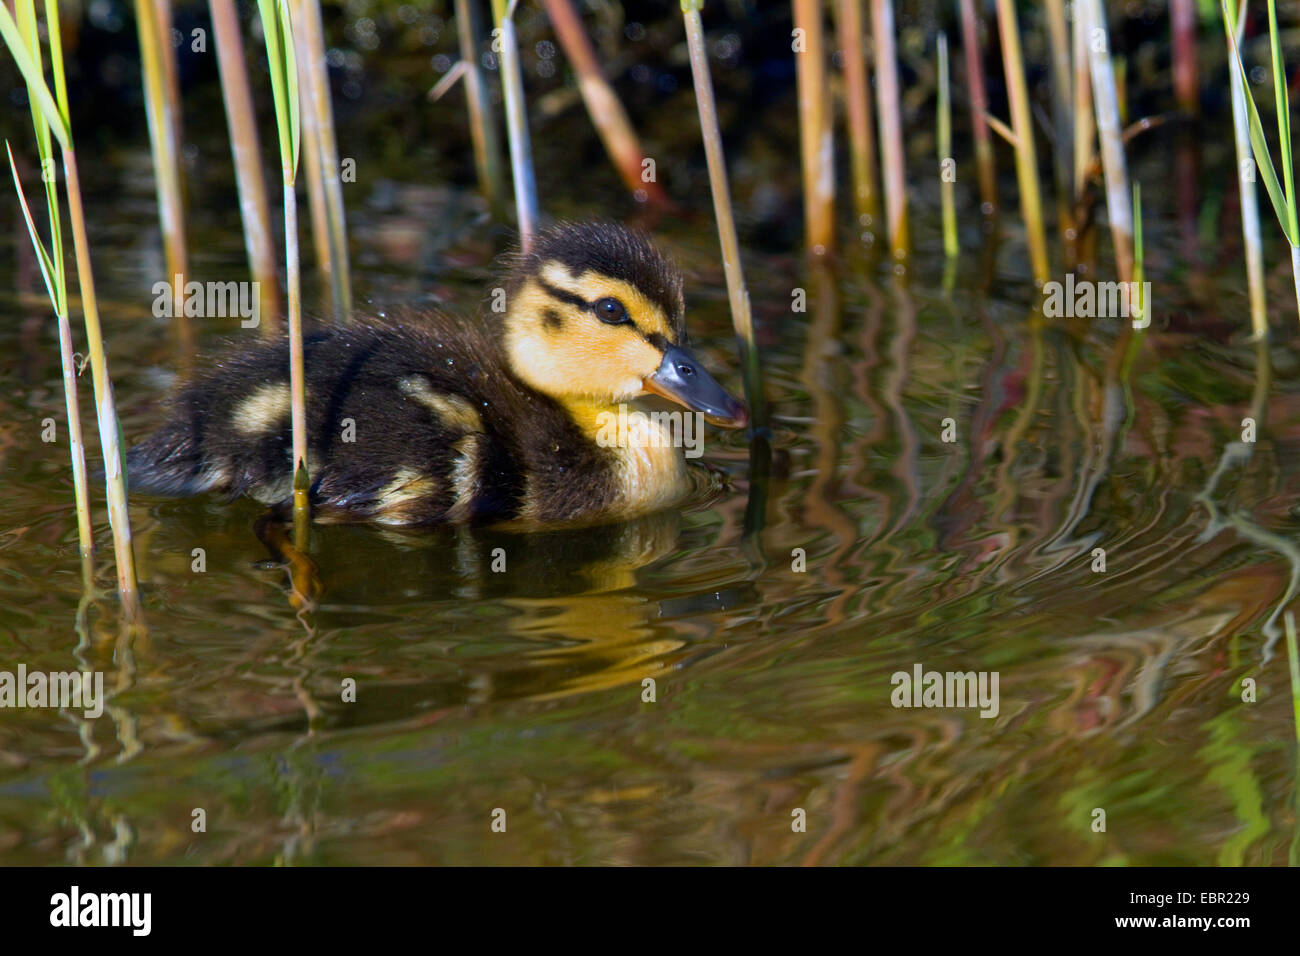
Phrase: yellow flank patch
[408,487]
[452,410]
[263,411]
[464,477]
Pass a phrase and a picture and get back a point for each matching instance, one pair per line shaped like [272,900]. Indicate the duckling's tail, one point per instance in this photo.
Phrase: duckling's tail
[170,462]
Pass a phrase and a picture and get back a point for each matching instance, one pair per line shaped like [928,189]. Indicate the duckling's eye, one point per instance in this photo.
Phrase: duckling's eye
[611,311]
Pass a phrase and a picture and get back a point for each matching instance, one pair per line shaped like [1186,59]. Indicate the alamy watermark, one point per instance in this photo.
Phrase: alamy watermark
[211,300]
[923,688]
[657,429]
[1084,299]
[72,690]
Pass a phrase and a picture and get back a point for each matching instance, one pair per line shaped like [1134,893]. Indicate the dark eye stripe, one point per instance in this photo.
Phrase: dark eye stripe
[571,298]
[564,295]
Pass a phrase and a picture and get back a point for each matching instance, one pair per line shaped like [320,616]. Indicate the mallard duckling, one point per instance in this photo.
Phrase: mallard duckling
[431,419]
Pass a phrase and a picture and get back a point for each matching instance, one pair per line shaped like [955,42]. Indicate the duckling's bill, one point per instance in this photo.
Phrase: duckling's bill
[682,379]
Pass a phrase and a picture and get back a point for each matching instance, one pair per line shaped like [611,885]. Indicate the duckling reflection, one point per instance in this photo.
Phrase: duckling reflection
[570,592]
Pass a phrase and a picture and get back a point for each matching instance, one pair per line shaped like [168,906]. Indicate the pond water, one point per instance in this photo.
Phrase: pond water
[773,649]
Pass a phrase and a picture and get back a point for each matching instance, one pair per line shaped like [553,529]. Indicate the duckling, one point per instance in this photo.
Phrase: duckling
[427,419]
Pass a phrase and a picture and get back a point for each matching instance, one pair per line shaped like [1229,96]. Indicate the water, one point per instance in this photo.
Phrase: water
[523,691]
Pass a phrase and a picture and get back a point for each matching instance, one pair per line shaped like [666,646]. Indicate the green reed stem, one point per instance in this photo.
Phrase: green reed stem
[482,126]
[1031,203]
[741,316]
[521,147]
[325,174]
[889,109]
[246,152]
[1293,662]
[857,103]
[1282,197]
[947,188]
[54,272]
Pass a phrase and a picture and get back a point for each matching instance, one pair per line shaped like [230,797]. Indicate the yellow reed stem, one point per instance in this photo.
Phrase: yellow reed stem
[162,107]
[857,103]
[816,145]
[1031,204]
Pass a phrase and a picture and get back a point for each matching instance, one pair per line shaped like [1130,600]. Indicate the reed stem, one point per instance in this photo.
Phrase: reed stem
[76,443]
[110,431]
[54,109]
[246,152]
[1110,136]
[482,127]
[1251,235]
[741,316]
[889,108]
[54,270]
[278,31]
[1063,130]
[857,101]
[1080,247]
[1293,669]
[1182,24]
[162,107]
[947,177]
[985,168]
[603,106]
[817,148]
[521,149]
[1031,204]
[318,125]
[1283,199]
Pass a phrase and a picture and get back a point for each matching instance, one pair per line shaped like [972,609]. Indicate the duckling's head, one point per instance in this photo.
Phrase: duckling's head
[595,315]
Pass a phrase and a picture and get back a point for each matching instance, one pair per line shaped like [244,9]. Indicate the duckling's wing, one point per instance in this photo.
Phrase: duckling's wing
[405,426]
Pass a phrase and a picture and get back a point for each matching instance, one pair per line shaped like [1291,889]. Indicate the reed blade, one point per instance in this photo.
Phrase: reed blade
[521,148]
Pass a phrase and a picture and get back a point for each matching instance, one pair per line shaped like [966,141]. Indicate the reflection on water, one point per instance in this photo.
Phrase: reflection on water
[670,690]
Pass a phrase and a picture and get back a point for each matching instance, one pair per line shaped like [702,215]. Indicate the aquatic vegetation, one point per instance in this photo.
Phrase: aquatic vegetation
[53,108]
[1282,195]
[1006,475]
